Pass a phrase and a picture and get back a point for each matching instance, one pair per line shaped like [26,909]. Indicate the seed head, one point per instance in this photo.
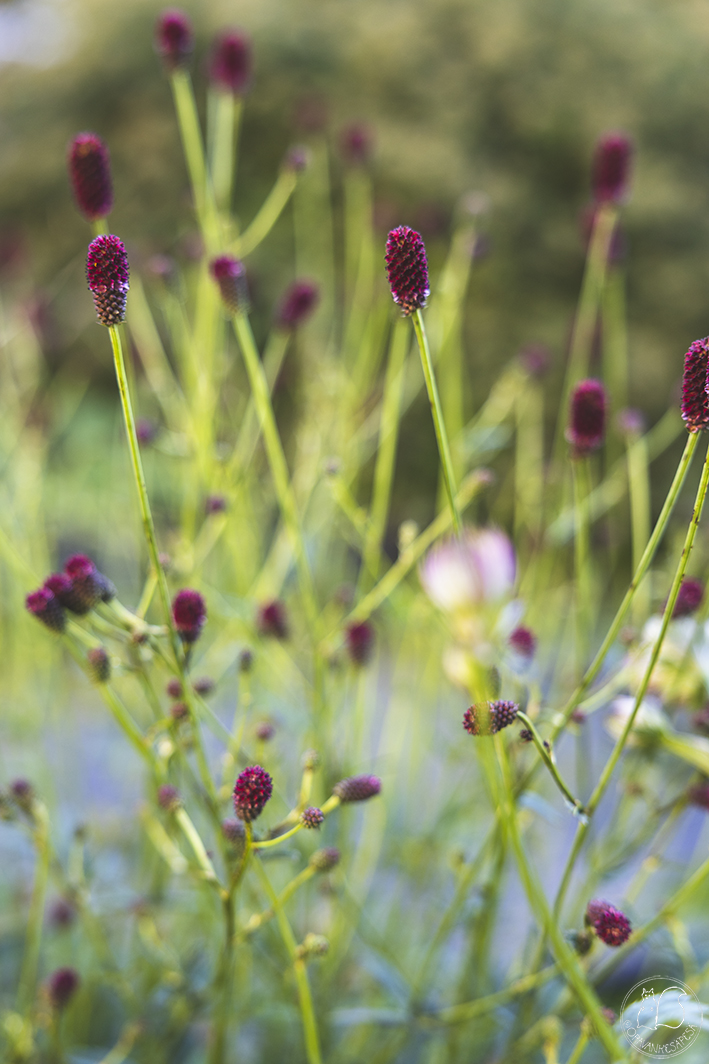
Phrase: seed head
[523,641]
[609,923]
[611,168]
[46,607]
[99,665]
[203,686]
[587,423]
[61,987]
[581,942]
[174,40]
[252,790]
[357,788]
[525,736]
[689,599]
[169,798]
[90,173]
[230,275]
[107,272]
[407,269]
[310,760]
[359,639]
[298,303]
[246,660]
[272,620]
[231,62]
[356,143]
[312,817]
[326,859]
[174,688]
[487,718]
[189,613]
[695,402]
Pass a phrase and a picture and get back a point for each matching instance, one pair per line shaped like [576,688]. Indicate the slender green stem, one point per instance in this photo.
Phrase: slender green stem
[259,919]
[227,111]
[310,1030]
[470,1010]
[547,756]
[584,596]
[277,462]
[438,422]
[35,919]
[566,959]
[639,484]
[269,213]
[193,837]
[560,719]
[612,761]
[579,1049]
[190,133]
[267,843]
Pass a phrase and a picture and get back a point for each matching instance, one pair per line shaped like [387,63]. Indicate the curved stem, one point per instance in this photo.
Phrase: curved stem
[547,757]
[269,213]
[35,920]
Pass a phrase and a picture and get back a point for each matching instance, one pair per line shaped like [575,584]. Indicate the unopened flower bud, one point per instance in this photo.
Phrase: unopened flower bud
[214,504]
[230,275]
[99,665]
[174,40]
[22,793]
[252,790]
[356,143]
[359,639]
[46,607]
[580,941]
[487,718]
[312,946]
[246,660]
[297,305]
[61,913]
[587,422]
[90,173]
[179,711]
[326,859]
[203,686]
[523,641]
[310,760]
[272,620]
[61,987]
[174,688]
[609,923]
[107,272]
[233,830]
[407,269]
[230,67]
[265,731]
[169,798]
[357,788]
[312,817]
[611,168]
[689,598]
[695,401]
[297,158]
[189,613]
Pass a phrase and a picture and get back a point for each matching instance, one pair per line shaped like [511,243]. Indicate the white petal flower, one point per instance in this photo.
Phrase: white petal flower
[477,569]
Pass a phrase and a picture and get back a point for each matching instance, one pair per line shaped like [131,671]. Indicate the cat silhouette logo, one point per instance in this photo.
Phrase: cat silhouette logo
[661,1017]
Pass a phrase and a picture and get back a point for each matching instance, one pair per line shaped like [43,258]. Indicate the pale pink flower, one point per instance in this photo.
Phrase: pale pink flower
[477,569]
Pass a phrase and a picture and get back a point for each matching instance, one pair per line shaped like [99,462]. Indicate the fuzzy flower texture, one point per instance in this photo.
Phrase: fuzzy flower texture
[610,924]
[107,272]
[230,275]
[487,718]
[230,67]
[78,589]
[252,790]
[189,613]
[587,422]
[611,168]
[90,173]
[407,269]
[695,401]
[174,39]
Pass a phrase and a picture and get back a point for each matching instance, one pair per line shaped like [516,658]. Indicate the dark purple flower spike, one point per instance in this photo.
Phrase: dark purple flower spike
[46,607]
[231,63]
[174,39]
[107,272]
[230,275]
[611,168]
[487,718]
[587,422]
[252,790]
[407,269]
[189,613]
[90,173]
[695,401]
[298,303]
[357,788]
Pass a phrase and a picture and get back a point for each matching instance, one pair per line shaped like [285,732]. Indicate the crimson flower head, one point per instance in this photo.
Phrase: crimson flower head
[230,275]
[689,599]
[486,718]
[359,639]
[107,272]
[312,817]
[169,798]
[272,620]
[61,987]
[695,402]
[611,167]
[46,607]
[252,790]
[99,665]
[609,923]
[90,173]
[174,39]
[357,788]
[407,269]
[587,423]
[298,303]
[356,143]
[88,585]
[523,641]
[189,613]
[231,62]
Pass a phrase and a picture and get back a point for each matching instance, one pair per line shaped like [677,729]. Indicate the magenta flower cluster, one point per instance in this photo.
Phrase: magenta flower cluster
[107,272]
[90,173]
[487,718]
[407,269]
[77,589]
[695,401]
[610,924]
[611,168]
[252,790]
[231,62]
[587,421]
[189,612]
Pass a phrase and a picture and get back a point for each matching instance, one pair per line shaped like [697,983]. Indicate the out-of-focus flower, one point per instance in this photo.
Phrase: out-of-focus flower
[610,924]
[357,788]
[487,718]
[356,143]
[523,642]
[189,613]
[61,987]
[689,599]
[90,173]
[477,569]
[359,640]
[611,167]
[298,303]
[230,275]
[587,420]
[231,63]
[272,620]
[174,39]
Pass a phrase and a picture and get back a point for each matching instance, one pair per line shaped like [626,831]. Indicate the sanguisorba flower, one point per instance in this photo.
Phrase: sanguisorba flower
[356,143]
[357,788]
[46,607]
[523,641]
[231,63]
[174,39]
[359,640]
[407,269]
[689,598]
[297,305]
[611,167]
[475,570]
[189,613]
[230,275]
[272,620]
[695,401]
[99,664]
[61,987]
[90,173]
[587,420]
[610,924]
[107,272]
[487,718]
[252,790]
[312,817]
